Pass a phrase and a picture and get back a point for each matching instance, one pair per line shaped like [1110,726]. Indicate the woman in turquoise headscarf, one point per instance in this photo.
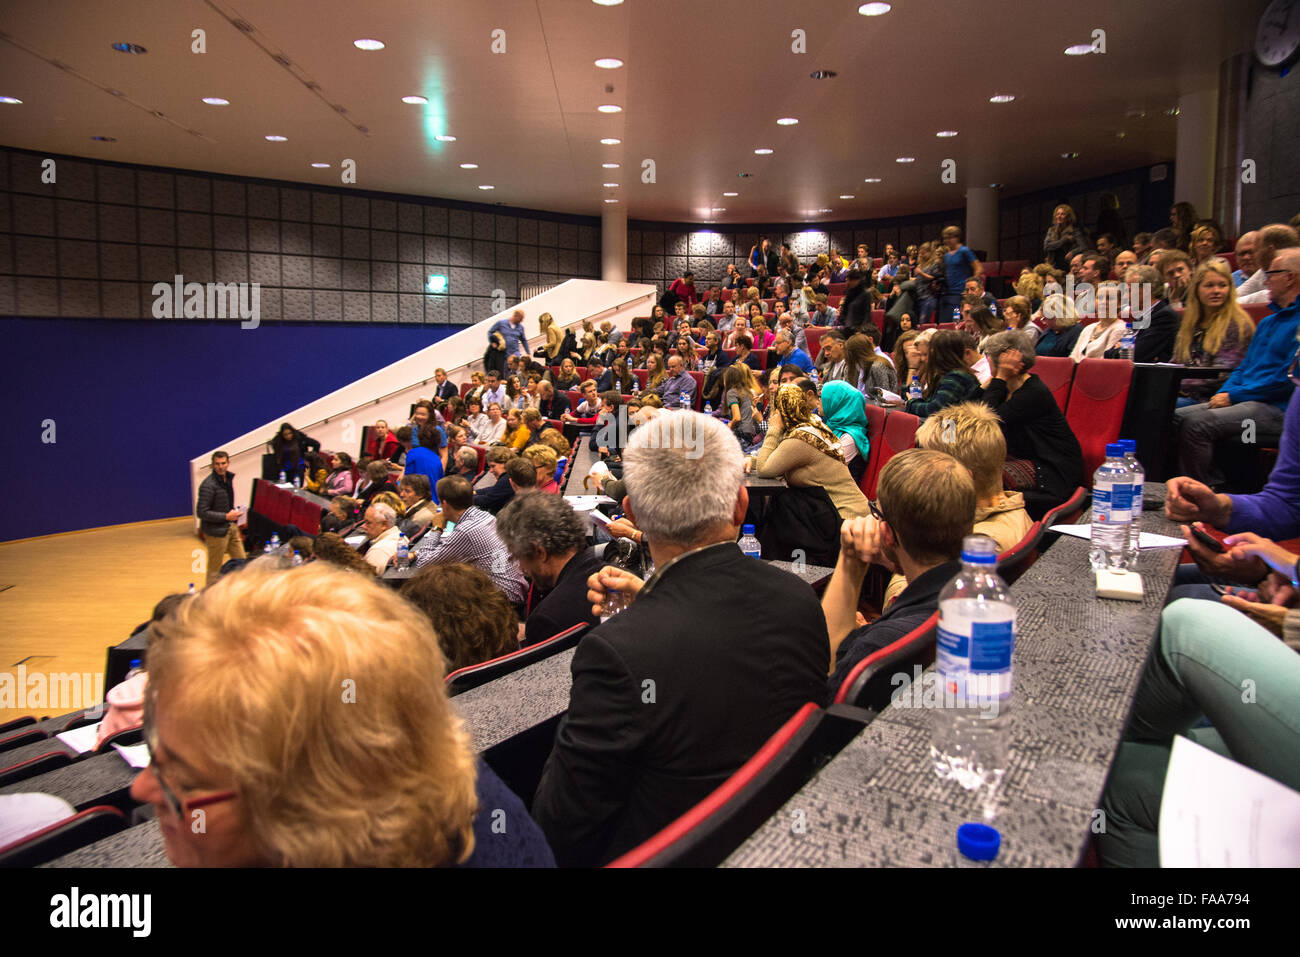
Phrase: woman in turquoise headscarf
[844,412]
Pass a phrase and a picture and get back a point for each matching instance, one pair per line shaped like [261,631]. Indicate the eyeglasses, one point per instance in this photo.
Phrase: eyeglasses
[174,803]
[875,510]
[1277,272]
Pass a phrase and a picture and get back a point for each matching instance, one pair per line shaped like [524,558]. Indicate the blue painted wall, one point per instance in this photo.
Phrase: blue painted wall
[134,401]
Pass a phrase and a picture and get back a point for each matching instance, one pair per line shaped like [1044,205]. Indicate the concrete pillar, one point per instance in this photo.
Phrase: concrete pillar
[1231,147]
[613,242]
[1197,135]
[982,220]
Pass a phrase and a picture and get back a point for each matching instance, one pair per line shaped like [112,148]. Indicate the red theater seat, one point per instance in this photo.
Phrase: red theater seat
[1257,311]
[1056,372]
[897,435]
[1096,409]
[814,336]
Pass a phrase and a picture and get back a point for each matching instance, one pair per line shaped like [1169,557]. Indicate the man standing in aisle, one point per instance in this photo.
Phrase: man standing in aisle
[218,515]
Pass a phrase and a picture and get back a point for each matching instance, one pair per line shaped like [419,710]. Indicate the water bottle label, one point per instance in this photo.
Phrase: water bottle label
[976,667]
[1113,504]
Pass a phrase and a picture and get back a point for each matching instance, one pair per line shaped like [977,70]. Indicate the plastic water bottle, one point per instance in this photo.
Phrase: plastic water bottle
[614,603]
[749,542]
[1112,511]
[708,408]
[191,591]
[297,559]
[977,634]
[956,314]
[636,387]
[1139,480]
[1127,342]
[403,551]
[812,374]
[685,401]
[282,478]
[914,389]
[993,307]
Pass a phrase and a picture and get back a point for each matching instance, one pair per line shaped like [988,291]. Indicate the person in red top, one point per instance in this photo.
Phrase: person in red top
[684,289]
[382,443]
[546,461]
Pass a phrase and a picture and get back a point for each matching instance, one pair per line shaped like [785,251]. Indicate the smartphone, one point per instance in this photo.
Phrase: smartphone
[1208,540]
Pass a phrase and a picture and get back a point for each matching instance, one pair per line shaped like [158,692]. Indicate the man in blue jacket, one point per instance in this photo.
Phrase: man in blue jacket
[1256,395]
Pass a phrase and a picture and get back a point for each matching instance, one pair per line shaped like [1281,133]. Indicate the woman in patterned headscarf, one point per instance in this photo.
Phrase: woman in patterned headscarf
[802,450]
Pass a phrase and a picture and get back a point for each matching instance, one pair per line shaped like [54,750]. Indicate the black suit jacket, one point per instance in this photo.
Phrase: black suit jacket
[670,697]
[1155,343]
[555,407]
[448,390]
[495,498]
[566,604]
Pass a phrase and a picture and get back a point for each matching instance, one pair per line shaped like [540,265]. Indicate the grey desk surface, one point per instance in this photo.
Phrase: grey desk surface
[516,702]
[34,750]
[139,846]
[82,783]
[1077,663]
[813,574]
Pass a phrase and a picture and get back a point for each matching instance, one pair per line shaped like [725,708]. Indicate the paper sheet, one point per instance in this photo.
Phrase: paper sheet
[29,812]
[136,755]
[355,540]
[585,503]
[1218,813]
[80,739]
[1146,540]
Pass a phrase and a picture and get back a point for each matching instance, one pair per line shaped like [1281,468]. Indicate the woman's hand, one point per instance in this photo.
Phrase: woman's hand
[1248,545]
[1270,616]
[1010,364]
[774,421]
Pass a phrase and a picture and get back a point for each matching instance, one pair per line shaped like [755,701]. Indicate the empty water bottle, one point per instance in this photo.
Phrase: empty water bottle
[914,388]
[282,478]
[1127,342]
[1139,475]
[1112,511]
[297,559]
[977,634]
[403,551]
[749,542]
[685,401]
[297,481]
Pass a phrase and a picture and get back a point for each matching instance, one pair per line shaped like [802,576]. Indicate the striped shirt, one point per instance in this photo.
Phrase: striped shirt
[474,541]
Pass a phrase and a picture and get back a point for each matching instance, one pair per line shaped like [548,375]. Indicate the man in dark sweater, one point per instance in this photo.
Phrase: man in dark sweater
[675,693]
[545,536]
[218,516]
[1157,329]
[493,497]
[926,502]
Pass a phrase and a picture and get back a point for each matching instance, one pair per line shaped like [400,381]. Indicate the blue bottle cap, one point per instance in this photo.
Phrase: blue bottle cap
[979,842]
[1114,450]
[1130,445]
[747,529]
[979,549]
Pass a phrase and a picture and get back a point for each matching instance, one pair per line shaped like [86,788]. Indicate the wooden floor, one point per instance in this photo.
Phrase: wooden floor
[66,598]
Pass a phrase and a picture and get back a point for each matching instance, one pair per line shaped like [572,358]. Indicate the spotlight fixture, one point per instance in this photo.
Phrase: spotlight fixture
[469,165]
[1069,156]
[610,141]
[10,100]
[610,185]
[609,63]
[763,151]
[487,187]
[872,179]
[104,139]
[368,45]
[787,121]
[129,48]
[445,138]
[874,9]
[320,165]
[1002,98]
[415,100]
[905,159]
[823,74]
[216,101]
[846,196]
[946,134]
[1079,49]
[275,138]
[609,108]
[609,166]
[730,194]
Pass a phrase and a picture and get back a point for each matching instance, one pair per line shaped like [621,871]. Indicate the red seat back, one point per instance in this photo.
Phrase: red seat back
[875,429]
[699,390]
[878,317]
[466,388]
[1257,311]
[1011,268]
[305,514]
[1056,372]
[814,336]
[1096,409]
[839,288]
[898,435]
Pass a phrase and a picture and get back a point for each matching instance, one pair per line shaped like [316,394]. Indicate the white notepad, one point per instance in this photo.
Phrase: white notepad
[1145,540]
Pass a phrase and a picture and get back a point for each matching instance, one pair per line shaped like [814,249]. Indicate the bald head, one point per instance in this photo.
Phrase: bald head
[1283,279]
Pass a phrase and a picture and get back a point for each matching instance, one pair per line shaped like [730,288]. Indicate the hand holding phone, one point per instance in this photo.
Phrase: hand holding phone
[1208,540]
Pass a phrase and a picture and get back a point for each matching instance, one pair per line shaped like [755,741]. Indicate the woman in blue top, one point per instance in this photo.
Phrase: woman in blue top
[959,264]
[945,377]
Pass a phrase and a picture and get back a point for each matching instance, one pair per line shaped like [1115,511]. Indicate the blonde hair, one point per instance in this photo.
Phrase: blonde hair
[660,375]
[543,456]
[1070,218]
[257,670]
[1216,323]
[392,500]
[1060,308]
[1020,306]
[1029,285]
[971,433]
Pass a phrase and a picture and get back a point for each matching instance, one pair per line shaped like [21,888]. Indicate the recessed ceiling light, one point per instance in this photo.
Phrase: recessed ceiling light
[469,165]
[10,99]
[320,165]
[730,194]
[104,139]
[129,48]
[905,159]
[823,74]
[216,101]
[719,209]
[609,166]
[744,175]
[610,141]
[872,179]
[1069,156]
[1002,98]
[846,196]
[610,185]
[609,108]
[445,138]
[763,151]
[874,9]
[1079,49]
[1120,135]
[826,210]
[607,3]
[995,185]
[277,139]
[946,134]
[611,201]
[787,121]
[1173,111]
[415,100]
[609,63]
[487,187]
[368,45]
